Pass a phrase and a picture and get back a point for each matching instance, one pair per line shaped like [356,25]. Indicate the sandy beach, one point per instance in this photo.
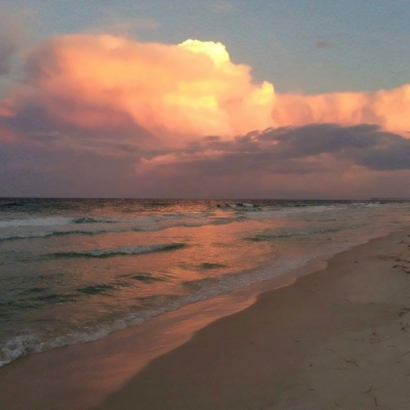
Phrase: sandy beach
[337,338]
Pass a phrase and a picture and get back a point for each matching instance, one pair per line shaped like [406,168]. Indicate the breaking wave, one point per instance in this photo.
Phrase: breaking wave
[109,252]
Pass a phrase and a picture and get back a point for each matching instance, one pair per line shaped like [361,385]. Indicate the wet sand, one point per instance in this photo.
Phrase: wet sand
[337,338]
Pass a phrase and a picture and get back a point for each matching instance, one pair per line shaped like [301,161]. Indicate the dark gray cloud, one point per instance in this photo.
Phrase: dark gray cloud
[309,161]
[296,150]
[317,160]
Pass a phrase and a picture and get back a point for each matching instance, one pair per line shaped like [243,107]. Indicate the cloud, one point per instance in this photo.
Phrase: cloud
[174,92]
[390,109]
[316,160]
[291,150]
[107,115]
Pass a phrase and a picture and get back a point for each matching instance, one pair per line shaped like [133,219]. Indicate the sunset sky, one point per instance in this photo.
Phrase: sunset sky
[205,99]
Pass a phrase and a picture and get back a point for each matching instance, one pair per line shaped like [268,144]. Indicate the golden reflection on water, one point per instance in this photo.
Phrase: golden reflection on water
[88,292]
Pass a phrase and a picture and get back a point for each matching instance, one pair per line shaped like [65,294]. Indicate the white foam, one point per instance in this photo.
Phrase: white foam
[47,221]
[20,346]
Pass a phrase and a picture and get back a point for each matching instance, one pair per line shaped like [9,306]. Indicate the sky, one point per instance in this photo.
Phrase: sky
[214,99]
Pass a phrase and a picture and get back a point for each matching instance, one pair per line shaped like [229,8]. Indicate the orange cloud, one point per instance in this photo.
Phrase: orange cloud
[174,92]
[390,109]
[192,89]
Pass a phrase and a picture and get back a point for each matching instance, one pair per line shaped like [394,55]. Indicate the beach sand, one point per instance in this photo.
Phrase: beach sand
[337,338]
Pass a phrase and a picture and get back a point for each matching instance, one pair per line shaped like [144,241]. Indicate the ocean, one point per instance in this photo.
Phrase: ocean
[76,270]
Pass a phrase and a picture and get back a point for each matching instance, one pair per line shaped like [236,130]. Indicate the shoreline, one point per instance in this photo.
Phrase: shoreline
[339,339]
[94,370]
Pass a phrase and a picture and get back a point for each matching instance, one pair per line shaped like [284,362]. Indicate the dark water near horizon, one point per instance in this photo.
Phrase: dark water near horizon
[75,270]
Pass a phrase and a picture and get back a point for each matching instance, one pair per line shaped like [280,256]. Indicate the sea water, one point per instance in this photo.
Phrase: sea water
[75,270]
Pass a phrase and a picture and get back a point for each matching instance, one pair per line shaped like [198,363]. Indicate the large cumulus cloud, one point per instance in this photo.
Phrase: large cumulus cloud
[103,115]
[172,91]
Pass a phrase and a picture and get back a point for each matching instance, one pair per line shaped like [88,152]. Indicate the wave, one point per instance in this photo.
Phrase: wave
[47,221]
[212,265]
[30,342]
[53,221]
[21,346]
[142,277]
[40,235]
[271,236]
[43,235]
[155,226]
[130,250]
[38,297]
[87,220]
[11,204]
[24,345]
[240,206]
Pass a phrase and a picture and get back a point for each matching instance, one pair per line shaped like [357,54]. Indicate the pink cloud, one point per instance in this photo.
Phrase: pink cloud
[105,109]
[388,108]
[188,90]
[178,92]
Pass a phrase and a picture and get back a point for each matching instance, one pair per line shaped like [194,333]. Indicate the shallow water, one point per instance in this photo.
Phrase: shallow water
[76,270]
